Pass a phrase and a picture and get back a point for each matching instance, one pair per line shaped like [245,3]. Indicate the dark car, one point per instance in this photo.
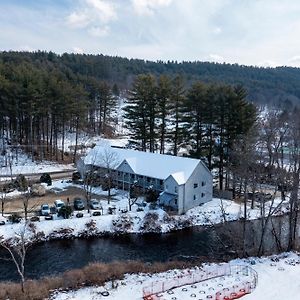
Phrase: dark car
[78,204]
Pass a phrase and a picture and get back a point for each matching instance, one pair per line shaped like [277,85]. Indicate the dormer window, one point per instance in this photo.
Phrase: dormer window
[195,185]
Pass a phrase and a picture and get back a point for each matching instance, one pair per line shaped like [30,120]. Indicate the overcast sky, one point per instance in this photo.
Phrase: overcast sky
[250,32]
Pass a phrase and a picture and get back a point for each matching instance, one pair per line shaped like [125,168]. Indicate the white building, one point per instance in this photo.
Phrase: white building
[183,183]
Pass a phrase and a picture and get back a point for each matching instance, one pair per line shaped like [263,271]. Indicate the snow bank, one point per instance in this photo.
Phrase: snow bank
[276,281]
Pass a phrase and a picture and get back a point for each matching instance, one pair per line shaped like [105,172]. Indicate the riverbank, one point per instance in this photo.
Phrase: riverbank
[282,269]
[126,280]
[141,219]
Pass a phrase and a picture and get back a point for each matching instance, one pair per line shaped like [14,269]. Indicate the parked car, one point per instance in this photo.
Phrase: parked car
[35,219]
[94,204]
[2,222]
[45,210]
[58,204]
[79,215]
[96,213]
[78,204]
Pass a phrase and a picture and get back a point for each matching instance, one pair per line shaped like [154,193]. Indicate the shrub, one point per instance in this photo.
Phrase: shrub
[123,223]
[151,223]
[65,212]
[46,178]
[76,176]
[14,218]
[63,233]
[92,274]
[21,183]
[151,195]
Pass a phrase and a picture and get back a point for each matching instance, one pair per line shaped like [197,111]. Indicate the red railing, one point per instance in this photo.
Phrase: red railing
[153,291]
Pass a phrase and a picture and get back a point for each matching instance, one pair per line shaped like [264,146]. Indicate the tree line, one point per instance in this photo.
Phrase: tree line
[265,85]
[206,119]
[39,104]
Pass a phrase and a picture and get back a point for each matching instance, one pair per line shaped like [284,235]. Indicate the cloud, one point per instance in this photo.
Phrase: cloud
[105,10]
[26,48]
[295,59]
[78,50]
[78,20]
[268,64]
[217,30]
[91,14]
[216,58]
[147,7]
[99,31]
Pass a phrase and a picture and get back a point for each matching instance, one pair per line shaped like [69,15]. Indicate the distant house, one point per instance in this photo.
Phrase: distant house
[183,183]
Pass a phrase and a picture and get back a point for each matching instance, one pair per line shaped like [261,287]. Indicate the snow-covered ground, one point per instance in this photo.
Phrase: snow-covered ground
[25,165]
[277,280]
[140,220]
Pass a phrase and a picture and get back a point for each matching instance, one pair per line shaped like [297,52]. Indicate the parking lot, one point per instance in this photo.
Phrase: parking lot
[15,205]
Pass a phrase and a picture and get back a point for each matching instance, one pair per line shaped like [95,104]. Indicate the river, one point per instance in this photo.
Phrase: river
[220,242]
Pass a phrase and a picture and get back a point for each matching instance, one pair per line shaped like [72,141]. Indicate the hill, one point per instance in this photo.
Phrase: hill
[264,85]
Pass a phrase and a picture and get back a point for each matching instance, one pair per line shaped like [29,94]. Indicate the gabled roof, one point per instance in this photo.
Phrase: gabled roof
[148,164]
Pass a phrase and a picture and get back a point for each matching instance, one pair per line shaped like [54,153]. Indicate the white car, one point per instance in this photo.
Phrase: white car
[58,204]
[45,210]
[95,204]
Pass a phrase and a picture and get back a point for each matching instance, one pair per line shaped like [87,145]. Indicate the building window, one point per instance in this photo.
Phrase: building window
[203,183]
[176,189]
[132,176]
[195,197]
[202,195]
[148,179]
[166,187]
[161,182]
[195,185]
[175,201]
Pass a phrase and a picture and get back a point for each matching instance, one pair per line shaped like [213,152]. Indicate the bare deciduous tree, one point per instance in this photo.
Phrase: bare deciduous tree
[17,247]
[108,160]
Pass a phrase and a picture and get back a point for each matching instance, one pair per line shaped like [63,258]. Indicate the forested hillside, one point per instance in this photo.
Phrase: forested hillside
[264,85]
[201,107]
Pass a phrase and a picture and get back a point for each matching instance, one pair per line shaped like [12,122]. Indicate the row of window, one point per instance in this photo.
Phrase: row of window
[140,177]
[202,196]
[203,183]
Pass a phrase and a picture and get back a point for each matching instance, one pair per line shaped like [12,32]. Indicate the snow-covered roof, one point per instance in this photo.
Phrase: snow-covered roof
[148,164]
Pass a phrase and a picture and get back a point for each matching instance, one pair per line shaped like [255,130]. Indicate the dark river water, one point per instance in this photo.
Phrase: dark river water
[54,257]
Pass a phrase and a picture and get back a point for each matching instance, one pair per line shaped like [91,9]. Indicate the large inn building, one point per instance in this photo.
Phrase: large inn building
[183,183]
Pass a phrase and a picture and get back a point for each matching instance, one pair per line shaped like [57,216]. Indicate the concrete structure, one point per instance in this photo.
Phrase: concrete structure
[183,183]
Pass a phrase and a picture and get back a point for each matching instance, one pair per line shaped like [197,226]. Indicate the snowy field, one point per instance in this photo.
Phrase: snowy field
[277,279]
[26,166]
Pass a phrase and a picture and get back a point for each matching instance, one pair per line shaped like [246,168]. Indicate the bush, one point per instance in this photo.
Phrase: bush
[46,178]
[21,183]
[76,176]
[151,195]
[65,212]
[14,218]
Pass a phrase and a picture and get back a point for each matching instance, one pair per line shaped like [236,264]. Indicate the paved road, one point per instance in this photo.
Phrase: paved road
[36,177]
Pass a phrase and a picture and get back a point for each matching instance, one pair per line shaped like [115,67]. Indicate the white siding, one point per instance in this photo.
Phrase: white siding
[170,185]
[201,194]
